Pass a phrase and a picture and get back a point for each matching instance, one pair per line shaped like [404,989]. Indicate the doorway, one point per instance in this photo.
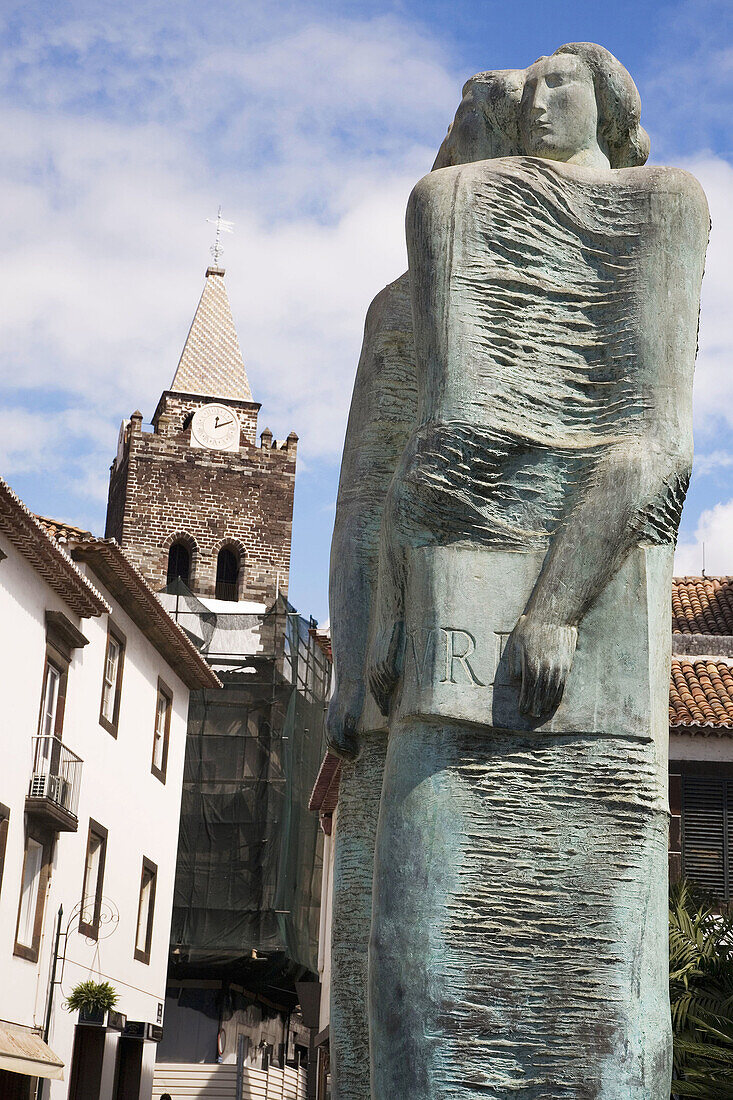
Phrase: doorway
[86,1063]
[129,1069]
[15,1086]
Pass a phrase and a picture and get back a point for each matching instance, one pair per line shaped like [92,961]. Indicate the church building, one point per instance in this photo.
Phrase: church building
[200,498]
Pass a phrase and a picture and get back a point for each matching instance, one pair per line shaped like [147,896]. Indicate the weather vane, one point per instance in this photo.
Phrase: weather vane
[222,226]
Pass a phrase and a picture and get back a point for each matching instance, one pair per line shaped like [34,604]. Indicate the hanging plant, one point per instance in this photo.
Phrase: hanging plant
[92,997]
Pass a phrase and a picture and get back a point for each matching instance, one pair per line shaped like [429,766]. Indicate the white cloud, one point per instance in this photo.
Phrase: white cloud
[688,90]
[124,126]
[68,451]
[706,464]
[311,140]
[714,530]
[714,375]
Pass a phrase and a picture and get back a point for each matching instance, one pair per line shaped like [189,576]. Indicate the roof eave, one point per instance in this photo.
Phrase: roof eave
[702,729]
[29,537]
[107,560]
[324,796]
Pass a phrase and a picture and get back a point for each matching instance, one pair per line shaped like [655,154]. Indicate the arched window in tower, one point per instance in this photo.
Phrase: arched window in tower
[227,575]
[179,563]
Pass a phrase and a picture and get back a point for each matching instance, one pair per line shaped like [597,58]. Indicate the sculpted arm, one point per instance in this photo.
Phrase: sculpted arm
[382,412]
[635,491]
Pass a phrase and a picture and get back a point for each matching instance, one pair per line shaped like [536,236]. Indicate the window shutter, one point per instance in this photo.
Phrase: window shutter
[706,801]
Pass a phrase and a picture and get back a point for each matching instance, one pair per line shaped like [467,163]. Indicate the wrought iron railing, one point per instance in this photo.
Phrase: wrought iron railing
[56,773]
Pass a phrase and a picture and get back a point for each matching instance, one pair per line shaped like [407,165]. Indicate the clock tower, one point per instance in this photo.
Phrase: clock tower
[200,498]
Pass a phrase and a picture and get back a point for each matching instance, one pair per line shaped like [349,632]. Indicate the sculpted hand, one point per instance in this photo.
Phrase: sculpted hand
[343,714]
[541,655]
[384,664]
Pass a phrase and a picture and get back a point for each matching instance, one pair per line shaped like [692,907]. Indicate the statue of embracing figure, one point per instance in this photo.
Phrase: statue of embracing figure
[520,628]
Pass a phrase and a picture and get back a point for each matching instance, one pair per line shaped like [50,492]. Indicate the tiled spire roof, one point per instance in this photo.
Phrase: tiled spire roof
[211,362]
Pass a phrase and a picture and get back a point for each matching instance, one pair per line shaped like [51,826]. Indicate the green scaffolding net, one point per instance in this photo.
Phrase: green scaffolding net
[247,895]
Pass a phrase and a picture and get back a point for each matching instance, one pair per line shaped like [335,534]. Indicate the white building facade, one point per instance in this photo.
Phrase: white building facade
[95,687]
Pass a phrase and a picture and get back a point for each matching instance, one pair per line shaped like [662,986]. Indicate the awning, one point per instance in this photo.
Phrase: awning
[25,1052]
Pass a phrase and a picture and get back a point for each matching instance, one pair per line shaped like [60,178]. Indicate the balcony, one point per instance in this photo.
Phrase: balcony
[53,792]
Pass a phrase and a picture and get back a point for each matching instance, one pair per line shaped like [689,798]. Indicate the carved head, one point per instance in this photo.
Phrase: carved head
[487,120]
[581,103]
[581,96]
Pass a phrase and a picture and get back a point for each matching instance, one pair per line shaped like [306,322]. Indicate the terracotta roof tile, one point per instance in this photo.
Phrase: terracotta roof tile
[45,554]
[702,605]
[701,694]
[326,788]
[322,639]
[64,532]
[124,580]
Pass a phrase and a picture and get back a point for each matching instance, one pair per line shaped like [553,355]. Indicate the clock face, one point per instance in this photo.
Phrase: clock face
[217,427]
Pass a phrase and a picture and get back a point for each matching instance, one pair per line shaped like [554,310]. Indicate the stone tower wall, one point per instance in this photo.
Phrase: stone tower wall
[162,489]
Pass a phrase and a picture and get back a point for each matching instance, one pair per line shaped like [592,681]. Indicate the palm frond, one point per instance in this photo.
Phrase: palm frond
[701,994]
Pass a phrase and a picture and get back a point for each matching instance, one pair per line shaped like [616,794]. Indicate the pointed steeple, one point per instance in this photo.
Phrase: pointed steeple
[211,363]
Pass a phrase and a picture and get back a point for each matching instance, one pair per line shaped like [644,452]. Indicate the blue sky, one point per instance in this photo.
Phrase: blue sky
[122,128]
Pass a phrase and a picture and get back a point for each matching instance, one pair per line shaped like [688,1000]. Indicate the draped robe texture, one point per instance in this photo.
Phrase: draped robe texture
[382,414]
[537,297]
[520,873]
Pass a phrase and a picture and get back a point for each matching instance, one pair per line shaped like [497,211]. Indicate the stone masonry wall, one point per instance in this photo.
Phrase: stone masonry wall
[116,499]
[243,499]
[177,408]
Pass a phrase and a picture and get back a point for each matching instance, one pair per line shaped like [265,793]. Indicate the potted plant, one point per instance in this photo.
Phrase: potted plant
[93,1001]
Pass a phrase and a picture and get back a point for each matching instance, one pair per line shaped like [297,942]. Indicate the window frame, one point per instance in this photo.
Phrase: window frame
[236,584]
[112,725]
[179,576]
[90,929]
[165,691]
[4,828]
[56,661]
[143,955]
[721,772]
[24,951]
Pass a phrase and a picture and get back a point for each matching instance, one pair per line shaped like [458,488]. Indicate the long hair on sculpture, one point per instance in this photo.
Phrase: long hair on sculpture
[486,124]
[620,133]
[488,114]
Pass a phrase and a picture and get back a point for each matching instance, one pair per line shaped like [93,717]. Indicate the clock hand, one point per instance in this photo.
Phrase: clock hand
[223,423]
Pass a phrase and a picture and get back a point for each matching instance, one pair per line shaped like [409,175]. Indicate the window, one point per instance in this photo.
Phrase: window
[52,699]
[62,639]
[227,575]
[49,707]
[145,911]
[707,832]
[4,825]
[91,891]
[161,732]
[111,666]
[112,681]
[32,898]
[179,563]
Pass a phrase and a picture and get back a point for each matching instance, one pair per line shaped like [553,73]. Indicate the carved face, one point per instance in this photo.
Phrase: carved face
[558,114]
